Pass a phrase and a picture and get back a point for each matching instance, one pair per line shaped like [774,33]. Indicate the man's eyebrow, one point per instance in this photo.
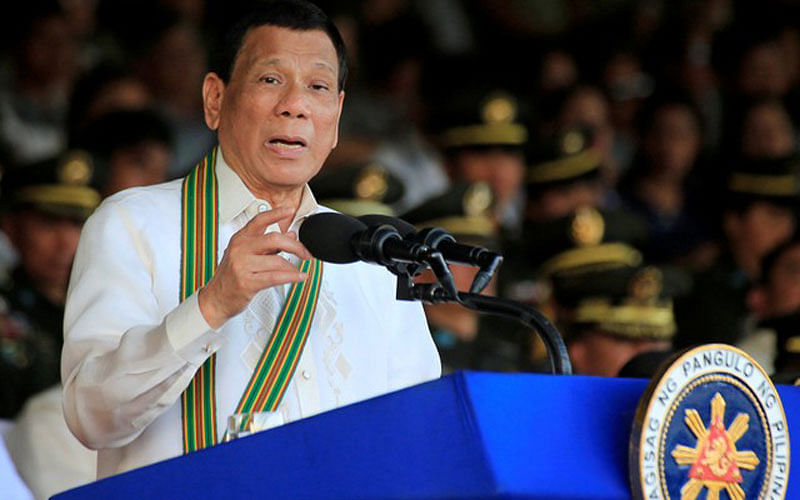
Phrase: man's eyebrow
[275,61]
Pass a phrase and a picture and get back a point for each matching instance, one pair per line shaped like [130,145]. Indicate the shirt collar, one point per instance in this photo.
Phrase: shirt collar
[235,198]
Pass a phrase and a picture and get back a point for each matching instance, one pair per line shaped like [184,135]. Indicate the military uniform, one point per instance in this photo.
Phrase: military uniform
[31,325]
[716,310]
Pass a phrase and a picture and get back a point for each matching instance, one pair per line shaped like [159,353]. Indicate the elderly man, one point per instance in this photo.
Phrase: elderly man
[161,346]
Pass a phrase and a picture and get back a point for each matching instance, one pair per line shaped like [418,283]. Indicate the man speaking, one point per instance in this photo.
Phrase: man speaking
[193,300]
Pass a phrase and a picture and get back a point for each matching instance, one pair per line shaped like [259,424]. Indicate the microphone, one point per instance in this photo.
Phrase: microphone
[439,239]
[341,239]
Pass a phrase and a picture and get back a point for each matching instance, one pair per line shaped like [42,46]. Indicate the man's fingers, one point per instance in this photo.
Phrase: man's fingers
[274,242]
[260,223]
[257,264]
[269,279]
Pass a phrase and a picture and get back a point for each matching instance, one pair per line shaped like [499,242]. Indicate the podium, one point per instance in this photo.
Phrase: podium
[470,435]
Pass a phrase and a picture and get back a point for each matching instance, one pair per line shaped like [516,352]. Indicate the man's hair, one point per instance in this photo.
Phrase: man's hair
[299,15]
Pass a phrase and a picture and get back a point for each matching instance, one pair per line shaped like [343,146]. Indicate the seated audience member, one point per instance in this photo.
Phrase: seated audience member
[563,174]
[44,63]
[767,130]
[44,207]
[663,184]
[586,106]
[759,214]
[776,295]
[466,339]
[358,189]
[129,148]
[105,87]
[483,141]
[623,313]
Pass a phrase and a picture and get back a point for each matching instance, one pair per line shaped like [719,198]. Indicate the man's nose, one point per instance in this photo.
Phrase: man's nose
[294,102]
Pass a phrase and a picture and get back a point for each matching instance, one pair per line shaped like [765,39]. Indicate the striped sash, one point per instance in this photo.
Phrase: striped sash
[199,223]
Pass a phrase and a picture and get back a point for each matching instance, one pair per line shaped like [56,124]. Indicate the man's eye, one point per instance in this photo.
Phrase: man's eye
[319,86]
[269,79]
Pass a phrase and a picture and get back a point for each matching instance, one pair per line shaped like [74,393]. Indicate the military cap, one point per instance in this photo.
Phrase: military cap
[59,186]
[480,118]
[589,238]
[464,210]
[631,303]
[562,158]
[359,189]
[765,179]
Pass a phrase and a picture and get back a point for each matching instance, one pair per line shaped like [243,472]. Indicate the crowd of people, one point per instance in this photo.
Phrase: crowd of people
[635,162]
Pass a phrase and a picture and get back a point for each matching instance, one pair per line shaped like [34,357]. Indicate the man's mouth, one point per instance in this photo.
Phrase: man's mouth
[288,143]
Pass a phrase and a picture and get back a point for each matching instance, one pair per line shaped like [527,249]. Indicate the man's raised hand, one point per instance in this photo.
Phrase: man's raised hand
[250,263]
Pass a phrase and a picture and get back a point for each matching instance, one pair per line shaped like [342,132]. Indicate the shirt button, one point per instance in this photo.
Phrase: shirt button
[262,208]
[306,374]
[207,348]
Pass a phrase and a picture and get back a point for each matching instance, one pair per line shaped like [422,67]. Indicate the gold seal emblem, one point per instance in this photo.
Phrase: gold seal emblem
[500,108]
[646,285]
[371,183]
[715,461]
[572,142]
[75,169]
[477,199]
[587,227]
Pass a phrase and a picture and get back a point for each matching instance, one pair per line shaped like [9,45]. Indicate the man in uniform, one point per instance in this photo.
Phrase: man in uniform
[760,213]
[159,341]
[45,206]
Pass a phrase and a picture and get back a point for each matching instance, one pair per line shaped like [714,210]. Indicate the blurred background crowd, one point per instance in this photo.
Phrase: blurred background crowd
[636,162]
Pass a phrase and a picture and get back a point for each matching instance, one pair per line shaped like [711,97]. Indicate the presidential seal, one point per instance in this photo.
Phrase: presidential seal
[710,426]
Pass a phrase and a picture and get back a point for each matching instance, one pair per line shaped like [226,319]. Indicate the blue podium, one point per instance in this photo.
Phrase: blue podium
[464,436]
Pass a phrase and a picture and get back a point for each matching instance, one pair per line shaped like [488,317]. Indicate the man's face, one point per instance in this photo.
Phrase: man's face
[502,170]
[46,245]
[140,165]
[278,115]
[760,228]
[783,284]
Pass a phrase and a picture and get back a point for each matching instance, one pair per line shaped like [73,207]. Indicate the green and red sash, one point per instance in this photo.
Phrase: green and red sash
[199,223]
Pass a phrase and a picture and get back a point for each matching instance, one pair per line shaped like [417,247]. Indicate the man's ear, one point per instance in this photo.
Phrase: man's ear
[213,92]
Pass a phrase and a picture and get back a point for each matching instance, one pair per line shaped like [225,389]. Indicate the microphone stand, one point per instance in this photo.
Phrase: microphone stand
[525,314]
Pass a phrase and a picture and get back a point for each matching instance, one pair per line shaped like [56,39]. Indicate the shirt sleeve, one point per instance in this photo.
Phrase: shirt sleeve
[124,361]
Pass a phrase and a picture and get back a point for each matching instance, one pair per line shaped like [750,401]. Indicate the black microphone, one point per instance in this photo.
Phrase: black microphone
[439,239]
[341,239]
